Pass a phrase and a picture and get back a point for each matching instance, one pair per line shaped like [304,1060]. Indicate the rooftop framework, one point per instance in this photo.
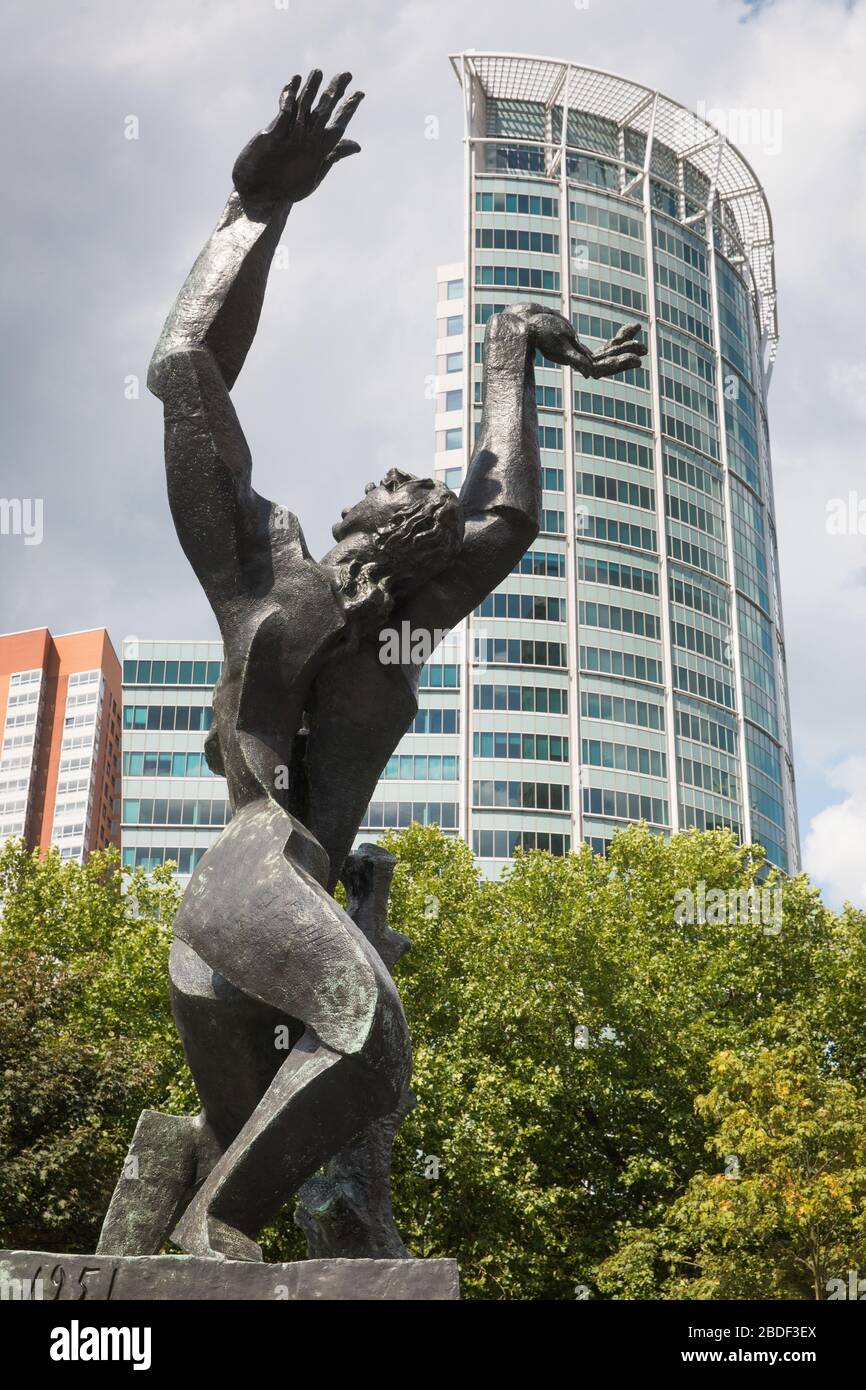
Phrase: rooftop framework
[678,149]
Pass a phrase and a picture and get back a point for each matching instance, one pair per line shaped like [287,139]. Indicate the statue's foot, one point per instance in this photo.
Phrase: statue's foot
[158,1175]
[200,1233]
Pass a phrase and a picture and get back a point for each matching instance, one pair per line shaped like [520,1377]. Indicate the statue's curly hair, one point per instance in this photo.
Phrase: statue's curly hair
[420,538]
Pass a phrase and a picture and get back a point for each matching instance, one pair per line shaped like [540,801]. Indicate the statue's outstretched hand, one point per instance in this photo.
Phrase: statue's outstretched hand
[619,355]
[289,159]
[553,335]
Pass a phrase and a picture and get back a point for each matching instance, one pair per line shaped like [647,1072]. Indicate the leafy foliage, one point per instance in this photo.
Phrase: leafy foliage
[787,1214]
[86,1037]
[614,1098]
[572,1044]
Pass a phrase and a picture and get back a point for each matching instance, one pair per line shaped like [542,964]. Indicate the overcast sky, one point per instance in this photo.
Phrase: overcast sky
[100,229]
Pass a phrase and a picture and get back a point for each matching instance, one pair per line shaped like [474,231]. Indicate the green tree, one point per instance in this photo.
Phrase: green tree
[86,1036]
[565,1021]
[785,1212]
[591,1045]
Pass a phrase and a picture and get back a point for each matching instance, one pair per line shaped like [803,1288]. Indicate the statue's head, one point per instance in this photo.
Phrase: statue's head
[402,533]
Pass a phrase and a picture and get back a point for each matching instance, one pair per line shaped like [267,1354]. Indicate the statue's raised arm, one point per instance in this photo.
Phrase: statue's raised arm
[210,329]
[500,501]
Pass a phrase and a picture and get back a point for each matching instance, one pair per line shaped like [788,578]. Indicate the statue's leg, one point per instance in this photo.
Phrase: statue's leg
[158,1175]
[346,1212]
[263,920]
[234,1046]
[319,1100]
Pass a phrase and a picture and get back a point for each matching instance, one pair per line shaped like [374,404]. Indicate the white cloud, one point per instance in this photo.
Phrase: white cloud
[835,849]
[847,381]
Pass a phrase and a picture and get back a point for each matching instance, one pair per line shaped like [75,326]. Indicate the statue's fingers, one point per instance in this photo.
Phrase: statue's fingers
[637,349]
[345,148]
[614,346]
[308,93]
[623,336]
[344,113]
[328,100]
[285,117]
[610,366]
[613,349]
[290,92]
[627,332]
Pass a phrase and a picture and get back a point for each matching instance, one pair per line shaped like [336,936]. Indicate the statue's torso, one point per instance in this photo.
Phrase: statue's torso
[292,655]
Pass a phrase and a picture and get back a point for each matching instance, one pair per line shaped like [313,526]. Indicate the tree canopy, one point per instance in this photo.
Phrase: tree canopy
[631,1081]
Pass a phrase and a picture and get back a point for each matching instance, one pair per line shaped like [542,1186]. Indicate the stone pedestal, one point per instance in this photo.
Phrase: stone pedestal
[35,1274]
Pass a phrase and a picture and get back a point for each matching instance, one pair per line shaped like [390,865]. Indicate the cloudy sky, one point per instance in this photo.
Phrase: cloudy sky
[99,230]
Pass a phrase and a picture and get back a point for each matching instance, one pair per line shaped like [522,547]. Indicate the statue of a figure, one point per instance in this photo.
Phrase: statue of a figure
[306,715]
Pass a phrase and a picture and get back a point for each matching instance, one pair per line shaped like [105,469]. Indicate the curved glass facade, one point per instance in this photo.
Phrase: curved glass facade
[632,666]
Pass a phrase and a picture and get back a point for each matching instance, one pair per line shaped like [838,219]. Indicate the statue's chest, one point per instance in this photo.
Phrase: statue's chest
[276,646]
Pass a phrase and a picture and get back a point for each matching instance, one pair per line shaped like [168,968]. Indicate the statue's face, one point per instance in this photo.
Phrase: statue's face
[379,505]
[403,533]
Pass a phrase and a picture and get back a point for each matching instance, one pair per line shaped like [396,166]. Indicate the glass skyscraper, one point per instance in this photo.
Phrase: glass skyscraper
[633,665]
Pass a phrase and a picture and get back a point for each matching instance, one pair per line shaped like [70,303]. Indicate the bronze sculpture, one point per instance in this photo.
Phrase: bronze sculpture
[306,714]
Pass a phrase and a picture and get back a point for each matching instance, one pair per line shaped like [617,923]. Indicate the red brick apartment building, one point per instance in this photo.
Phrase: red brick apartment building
[60,714]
